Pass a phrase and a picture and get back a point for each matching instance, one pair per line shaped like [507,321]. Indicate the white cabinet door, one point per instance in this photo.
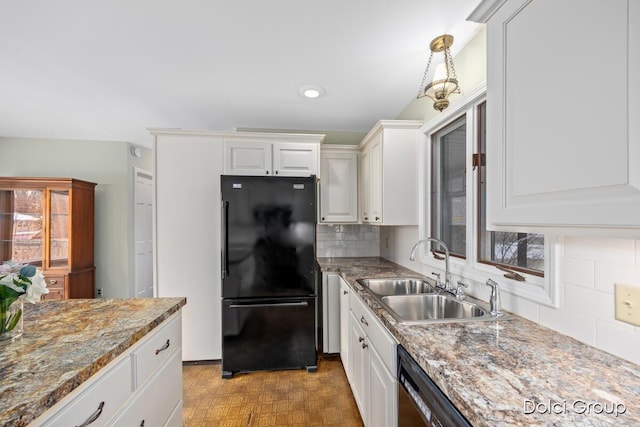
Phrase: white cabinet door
[247,158]
[330,313]
[359,365]
[376,190]
[365,184]
[295,159]
[344,326]
[372,365]
[563,128]
[339,187]
[383,393]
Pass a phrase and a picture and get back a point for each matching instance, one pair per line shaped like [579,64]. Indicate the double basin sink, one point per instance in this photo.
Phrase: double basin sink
[414,300]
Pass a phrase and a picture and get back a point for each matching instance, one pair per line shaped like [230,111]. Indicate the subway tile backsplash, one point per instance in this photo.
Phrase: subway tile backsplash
[347,240]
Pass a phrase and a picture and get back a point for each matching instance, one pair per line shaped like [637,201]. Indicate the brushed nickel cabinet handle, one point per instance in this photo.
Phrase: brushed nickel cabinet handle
[93,416]
[163,348]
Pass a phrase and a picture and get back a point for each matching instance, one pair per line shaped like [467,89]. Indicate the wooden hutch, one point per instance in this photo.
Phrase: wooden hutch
[49,223]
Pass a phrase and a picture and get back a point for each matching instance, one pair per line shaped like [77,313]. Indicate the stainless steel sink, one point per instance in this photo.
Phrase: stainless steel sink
[412,300]
[411,308]
[398,286]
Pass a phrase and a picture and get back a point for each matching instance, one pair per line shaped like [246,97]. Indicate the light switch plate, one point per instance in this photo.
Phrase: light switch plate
[628,303]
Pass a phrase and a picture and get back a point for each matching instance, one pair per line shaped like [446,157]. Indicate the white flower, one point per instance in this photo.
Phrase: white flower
[23,279]
[37,288]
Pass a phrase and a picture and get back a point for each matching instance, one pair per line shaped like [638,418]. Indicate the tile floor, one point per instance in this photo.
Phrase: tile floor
[277,398]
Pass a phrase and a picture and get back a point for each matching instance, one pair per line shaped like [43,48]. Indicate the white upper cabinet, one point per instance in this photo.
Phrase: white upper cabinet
[295,159]
[563,116]
[247,158]
[272,154]
[339,184]
[389,157]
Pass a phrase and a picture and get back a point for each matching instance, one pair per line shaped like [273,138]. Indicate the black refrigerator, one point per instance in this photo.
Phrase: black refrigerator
[269,287]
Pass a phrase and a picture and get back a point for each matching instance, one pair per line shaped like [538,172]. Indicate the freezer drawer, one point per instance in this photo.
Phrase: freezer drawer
[265,334]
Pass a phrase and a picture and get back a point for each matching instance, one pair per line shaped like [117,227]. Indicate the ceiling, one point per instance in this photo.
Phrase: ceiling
[110,69]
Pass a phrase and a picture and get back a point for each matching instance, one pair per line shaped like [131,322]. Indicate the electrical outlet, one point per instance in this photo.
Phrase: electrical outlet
[99,292]
[628,303]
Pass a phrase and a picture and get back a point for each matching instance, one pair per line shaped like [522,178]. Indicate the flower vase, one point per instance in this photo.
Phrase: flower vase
[11,318]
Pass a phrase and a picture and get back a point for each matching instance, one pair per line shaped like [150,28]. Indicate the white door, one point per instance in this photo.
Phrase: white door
[143,234]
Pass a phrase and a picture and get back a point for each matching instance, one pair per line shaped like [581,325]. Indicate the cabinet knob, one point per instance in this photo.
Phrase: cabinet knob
[276,172]
[377,218]
[323,218]
[267,172]
[366,218]
[344,292]
[53,281]
[360,339]
[364,346]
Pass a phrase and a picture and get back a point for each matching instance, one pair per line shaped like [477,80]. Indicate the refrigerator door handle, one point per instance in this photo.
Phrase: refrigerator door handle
[275,304]
[225,240]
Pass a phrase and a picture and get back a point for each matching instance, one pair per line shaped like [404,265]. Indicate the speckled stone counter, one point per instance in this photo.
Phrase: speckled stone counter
[509,372]
[65,343]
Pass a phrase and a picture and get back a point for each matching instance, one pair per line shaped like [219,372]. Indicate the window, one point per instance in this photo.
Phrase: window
[458,216]
[522,252]
[449,188]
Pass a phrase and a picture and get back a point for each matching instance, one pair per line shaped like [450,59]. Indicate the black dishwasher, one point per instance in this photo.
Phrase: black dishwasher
[420,401]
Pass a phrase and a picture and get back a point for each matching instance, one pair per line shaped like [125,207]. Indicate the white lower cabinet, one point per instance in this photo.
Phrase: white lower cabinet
[156,401]
[141,387]
[99,401]
[371,367]
[330,313]
[344,324]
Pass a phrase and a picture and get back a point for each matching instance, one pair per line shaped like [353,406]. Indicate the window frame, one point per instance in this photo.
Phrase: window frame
[436,137]
[478,169]
[542,290]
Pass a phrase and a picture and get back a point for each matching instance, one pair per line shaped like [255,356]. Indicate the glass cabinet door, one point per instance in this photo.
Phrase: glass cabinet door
[21,226]
[59,228]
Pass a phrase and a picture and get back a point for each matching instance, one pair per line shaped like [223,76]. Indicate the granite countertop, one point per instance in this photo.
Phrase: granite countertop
[509,372]
[66,342]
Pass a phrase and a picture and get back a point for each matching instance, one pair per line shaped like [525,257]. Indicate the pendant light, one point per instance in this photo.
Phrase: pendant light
[444,81]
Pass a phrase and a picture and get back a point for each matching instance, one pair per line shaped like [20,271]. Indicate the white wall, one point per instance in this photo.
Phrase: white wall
[110,165]
[588,268]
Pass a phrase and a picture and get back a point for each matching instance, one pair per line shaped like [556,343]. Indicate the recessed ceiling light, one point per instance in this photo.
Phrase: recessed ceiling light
[310,91]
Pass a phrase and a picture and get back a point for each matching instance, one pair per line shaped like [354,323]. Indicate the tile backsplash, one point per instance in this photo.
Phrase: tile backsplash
[347,240]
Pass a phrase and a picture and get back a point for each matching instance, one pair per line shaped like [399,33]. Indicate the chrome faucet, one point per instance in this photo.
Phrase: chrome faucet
[494,299]
[447,275]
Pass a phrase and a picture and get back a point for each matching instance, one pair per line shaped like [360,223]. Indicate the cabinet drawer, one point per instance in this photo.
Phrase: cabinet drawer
[55,284]
[156,349]
[155,403]
[378,335]
[102,399]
